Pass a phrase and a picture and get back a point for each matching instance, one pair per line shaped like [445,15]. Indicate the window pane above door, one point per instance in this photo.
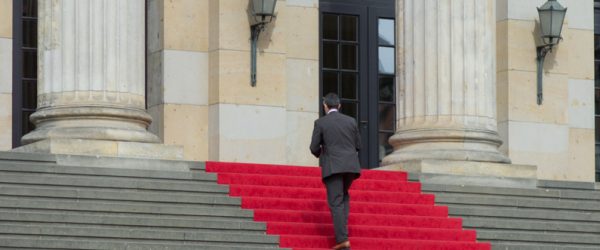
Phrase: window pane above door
[330,82]
[29,94]
[349,85]
[597,100]
[330,55]
[386,60]
[597,73]
[30,33]
[349,56]
[386,89]
[384,146]
[350,109]
[330,27]
[349,25]
[29,63]
[387,116]
[386,32]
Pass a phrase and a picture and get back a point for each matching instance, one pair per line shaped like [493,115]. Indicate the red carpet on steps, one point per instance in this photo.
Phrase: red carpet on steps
[386,210]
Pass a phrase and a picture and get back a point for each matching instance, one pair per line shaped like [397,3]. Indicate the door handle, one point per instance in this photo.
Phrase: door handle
[364,122]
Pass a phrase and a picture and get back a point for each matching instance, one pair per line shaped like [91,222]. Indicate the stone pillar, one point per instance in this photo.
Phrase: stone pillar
[446,82]
[91,86]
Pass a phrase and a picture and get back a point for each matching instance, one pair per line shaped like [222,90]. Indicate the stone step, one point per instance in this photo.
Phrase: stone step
[112,182]
[519,202]
[518,213]
[538,246]
[131,221]
[563,185]
[529,224]
[46,168]
[125,214]
[13,190]
[526,219]
[148,235]
[140,208]
[41,168]
[27,157]
[514,235]
[102,161]
[55,242]
[563,194]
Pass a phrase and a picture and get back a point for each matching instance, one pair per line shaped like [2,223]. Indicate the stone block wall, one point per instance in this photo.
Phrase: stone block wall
[177,73]
[6,52]
[272,122]
[557,136]
[199,91]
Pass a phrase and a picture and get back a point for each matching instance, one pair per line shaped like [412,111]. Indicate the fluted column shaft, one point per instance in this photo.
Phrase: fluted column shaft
[91,71]
[446,82]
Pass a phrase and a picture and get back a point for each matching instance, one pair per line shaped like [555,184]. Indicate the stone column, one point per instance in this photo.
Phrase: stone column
[91,77]
[446,82]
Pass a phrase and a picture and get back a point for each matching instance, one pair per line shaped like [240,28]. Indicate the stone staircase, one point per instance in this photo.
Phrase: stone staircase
[78,202]
[555,215]
[48,202]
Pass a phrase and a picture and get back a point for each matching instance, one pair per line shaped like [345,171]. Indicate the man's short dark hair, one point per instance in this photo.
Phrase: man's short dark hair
[331,100]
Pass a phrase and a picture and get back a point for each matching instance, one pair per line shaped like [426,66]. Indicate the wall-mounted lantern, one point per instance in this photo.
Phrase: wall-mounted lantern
[552,15]
[263,12]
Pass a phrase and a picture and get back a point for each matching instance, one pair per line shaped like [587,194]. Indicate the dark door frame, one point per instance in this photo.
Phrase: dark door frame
[343,9]
[17,73]
[369,12]
[375,13]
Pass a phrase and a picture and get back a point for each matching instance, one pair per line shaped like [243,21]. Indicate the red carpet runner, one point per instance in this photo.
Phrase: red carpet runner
[386,210]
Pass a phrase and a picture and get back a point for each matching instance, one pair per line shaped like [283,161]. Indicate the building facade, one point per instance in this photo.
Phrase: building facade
[446,80]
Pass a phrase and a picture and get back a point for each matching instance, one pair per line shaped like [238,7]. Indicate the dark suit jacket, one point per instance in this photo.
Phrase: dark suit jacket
[336,141]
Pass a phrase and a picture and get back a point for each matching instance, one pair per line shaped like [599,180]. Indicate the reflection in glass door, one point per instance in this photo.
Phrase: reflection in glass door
[386,53]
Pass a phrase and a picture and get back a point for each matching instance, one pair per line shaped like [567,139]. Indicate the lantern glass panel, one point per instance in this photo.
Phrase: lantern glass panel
[557,22]
[257,6]
[270,6]
[545,22]
[264,7]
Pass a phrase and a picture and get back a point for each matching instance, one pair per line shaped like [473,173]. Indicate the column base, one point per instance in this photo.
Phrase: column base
[401,157]
[104,148]
[465,168]
[468,173]
[455,144]
[91,123]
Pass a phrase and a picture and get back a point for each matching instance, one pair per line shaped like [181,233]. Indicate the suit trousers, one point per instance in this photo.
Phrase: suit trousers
[338,199]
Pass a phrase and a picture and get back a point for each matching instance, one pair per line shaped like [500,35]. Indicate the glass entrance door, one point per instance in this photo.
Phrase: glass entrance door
[357,61]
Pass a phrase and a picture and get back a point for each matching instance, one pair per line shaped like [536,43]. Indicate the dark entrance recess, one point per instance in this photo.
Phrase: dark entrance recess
[25,18]
[357,61]
[597,83]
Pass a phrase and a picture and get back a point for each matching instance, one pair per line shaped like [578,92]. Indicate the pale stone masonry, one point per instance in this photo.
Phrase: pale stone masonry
[557,136]
[177,68]
[6,51]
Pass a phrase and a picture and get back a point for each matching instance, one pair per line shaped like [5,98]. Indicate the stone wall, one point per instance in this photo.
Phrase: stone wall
[6,74]
[271,122]
[177,73]
[557,136]
[199,91]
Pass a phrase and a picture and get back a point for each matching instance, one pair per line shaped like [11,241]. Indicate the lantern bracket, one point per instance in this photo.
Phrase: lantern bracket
[542,51]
